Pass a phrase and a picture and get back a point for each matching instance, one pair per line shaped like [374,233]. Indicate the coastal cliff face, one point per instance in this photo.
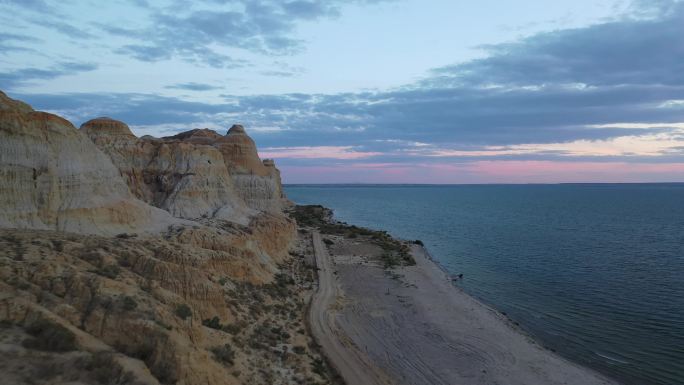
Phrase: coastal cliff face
[258,183]
[54,178]
[194,174]
[187,179]
[144,260]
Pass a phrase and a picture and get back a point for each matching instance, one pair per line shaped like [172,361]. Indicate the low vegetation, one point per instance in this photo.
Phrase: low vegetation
[183,311]
[213,323]
[224,354]
[129,303]
[260,338]
[49,336]
[395,252]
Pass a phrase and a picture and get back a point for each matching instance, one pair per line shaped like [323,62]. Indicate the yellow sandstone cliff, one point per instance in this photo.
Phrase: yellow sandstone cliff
[144,260]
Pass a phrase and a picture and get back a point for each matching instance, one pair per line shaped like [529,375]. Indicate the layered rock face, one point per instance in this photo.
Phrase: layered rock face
[258,183]
[181,174]
[53,177]
[194,174]
[197,286]
[137,310]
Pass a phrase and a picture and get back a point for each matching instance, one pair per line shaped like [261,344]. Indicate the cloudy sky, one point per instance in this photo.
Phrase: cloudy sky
[375,91]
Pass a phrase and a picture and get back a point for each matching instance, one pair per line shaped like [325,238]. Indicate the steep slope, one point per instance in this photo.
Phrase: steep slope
[181,175]
[53,177]
[187,308]
[197,173]
[257,182]
[216,300]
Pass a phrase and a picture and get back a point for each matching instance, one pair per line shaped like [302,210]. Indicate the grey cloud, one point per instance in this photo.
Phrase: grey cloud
[146,53]
[193,87]
[310,9]
[621,52]
[65,28]
[132,108]
[281,74]
[10,42]
[629,69]
[284,71]
[653,8]
[4,37]
[29,4]
[260,26]
[446,117]
[429,116]
[119,31]
[14,78]
[140,3]
[45,14]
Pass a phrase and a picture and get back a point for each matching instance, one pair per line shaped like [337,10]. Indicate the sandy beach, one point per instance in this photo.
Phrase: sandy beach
[411,325]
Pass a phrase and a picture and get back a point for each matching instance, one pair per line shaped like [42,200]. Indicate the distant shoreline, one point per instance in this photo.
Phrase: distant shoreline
[476,184]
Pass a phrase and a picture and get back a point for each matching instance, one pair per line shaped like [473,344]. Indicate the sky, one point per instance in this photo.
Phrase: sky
[374,91]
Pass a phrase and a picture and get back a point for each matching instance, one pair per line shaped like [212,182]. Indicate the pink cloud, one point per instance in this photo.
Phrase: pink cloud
[487,172]
[317,152]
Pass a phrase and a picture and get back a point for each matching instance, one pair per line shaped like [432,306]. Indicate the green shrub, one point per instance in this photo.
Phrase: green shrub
[105,370]
[109,271]
[50,336]
[183,311]
[214,323]
[58,245]
[163,325]
[283,279]
[234,328]
[129,303]
[319,367]
[224,354]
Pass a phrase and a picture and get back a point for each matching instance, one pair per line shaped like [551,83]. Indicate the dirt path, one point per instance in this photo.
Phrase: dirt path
[352,364]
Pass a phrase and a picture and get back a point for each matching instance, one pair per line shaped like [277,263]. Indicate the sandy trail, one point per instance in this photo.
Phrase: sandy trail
[414,327]
[353,365]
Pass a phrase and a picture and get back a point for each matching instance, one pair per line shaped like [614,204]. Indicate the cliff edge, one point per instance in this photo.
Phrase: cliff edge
[127,260]
[54,178]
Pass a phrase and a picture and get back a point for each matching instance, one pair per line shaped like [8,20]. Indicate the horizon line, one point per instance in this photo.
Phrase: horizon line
[477,184]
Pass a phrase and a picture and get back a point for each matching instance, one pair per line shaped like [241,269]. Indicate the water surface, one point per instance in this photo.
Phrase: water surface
[595,272]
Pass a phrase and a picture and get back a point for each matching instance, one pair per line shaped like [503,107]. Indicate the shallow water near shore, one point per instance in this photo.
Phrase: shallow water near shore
[594,272]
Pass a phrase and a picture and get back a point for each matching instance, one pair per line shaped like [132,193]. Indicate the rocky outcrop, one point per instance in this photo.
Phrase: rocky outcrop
[257,182]
[194,174]
[160,310]
[182,175]
[213,298]
[53,177]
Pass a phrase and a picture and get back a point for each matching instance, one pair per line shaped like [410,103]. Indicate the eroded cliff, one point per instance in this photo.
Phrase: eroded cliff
[52,177]
[143,260]
[194,174]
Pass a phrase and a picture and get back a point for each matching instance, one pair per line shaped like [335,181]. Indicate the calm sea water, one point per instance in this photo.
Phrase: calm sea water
[595,272]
